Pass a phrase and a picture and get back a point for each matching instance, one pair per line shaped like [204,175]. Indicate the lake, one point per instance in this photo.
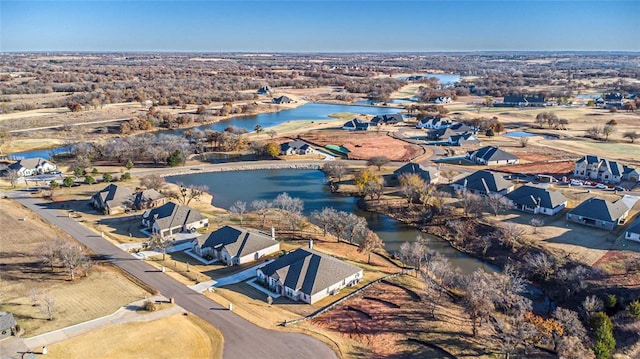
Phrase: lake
[445,79]
[308,111]
[311,187]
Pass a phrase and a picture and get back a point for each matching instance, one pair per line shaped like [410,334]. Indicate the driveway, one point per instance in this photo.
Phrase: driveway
[242,339]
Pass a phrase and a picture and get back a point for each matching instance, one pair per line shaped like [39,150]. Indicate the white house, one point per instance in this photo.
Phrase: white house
[434,123]
[32,166]
[602,169]
[443,99]
[296,148]
[537,199]
[356,125]
[171,218]
[236,245]
[483,183]
[492,155]
[307,275]
[633,232]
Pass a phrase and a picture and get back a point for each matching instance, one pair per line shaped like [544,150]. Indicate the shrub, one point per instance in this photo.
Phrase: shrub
[149,306]
[107,177]
[611,301]
[634,309]
[89,180]
[125,176]
[68,181]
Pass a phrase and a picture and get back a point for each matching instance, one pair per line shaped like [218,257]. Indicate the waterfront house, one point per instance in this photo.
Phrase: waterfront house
[171,218]
[113,199]
[236,245]
[483,183]
[492,155]
[387,119]
[428,174]
[308,275]
[356,125]
[282,100]
[296,148]
[32,166]
[537,199]
[149,198]
[599,213]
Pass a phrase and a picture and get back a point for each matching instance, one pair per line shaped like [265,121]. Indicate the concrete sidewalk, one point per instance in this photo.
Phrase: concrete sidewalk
[126,314]
[232,279]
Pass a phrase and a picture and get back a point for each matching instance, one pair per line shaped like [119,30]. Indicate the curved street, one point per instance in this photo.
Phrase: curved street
[242,339]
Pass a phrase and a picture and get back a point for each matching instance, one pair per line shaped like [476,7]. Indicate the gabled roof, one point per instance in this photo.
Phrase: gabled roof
[7,321]
[533,196]
[295,145]
[171,215]
[309,271]
[356,123]
[492,153]
[597,208]
[148,195]
[590,159]
[523,99]
[392,118]
[115,195]
[29,163]
[282,99]
[485,181]
[635,227]
[427,173]
[238,241]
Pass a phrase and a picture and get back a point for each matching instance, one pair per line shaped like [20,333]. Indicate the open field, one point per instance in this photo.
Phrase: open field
[99,294]
[364,145]
[177,336]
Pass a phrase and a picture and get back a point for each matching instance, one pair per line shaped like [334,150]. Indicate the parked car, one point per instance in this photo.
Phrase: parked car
[619,188]
[575,183]
[601,186]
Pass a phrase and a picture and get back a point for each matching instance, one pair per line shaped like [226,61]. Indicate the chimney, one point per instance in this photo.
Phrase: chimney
[310,243]
[465,183]
[538,200]
[273,233]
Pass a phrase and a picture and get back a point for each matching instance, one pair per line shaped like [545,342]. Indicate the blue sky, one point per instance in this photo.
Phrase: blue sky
[318,26]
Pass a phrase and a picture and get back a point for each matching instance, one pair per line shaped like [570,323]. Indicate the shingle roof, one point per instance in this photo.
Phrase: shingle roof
[115,196]
[485,181]
[529,195]
[492,153]
[427,173]
[392,118]
[635,227]
[356,123]
[309,271]
[597,208]
[238,241]
[296,145]
[7,321]
[171,215]
[29,163]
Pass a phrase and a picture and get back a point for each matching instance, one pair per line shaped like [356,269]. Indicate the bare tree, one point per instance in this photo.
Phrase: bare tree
[324,218]
[413,253]
[370,243]
[572,347]
[50,251]
[272,134]
[511,234]
[355,228]
[35,294]
[631,135]
[478,301]
[595,132]
[153,181]
[186,194]
[72,257]
[592,304]
[470,202]
[262,208]
[541,266]
[438,200]
[13,177]
[536,223]
[411,184]
[48,305]
[524,141]
[335,170]
[378,161]
[158,242]
[238,208]
[373,188]
[497,203]
[449,175]
[607,131]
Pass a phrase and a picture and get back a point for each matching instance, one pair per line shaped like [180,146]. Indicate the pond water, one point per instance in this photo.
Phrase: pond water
[308,111]
[445,79]
[587,96]
[395,101]
[519,134]
[311,187]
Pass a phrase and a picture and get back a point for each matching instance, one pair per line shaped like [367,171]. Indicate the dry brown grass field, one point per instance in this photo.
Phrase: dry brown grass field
[177,336]
[101,293]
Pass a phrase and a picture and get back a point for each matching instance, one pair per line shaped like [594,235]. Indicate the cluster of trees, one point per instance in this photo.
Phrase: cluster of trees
[71,256]
[551,120]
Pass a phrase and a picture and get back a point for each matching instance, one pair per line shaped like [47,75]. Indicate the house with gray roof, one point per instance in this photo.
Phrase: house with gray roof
[492,155]
[537,199]
[428,173]
[282,100]
[296,148]
[7,325]
[32,166]
[308,275]
[434,123]
[522,101]
[599,213]
[236,245]
[356,125]
[171,218]
[633,232]
[390,119]
[466,138]
[483,183]
[604,170]
[113,199]
[149,198]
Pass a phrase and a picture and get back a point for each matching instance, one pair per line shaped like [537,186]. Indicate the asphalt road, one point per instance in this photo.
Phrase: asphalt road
[242,339]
